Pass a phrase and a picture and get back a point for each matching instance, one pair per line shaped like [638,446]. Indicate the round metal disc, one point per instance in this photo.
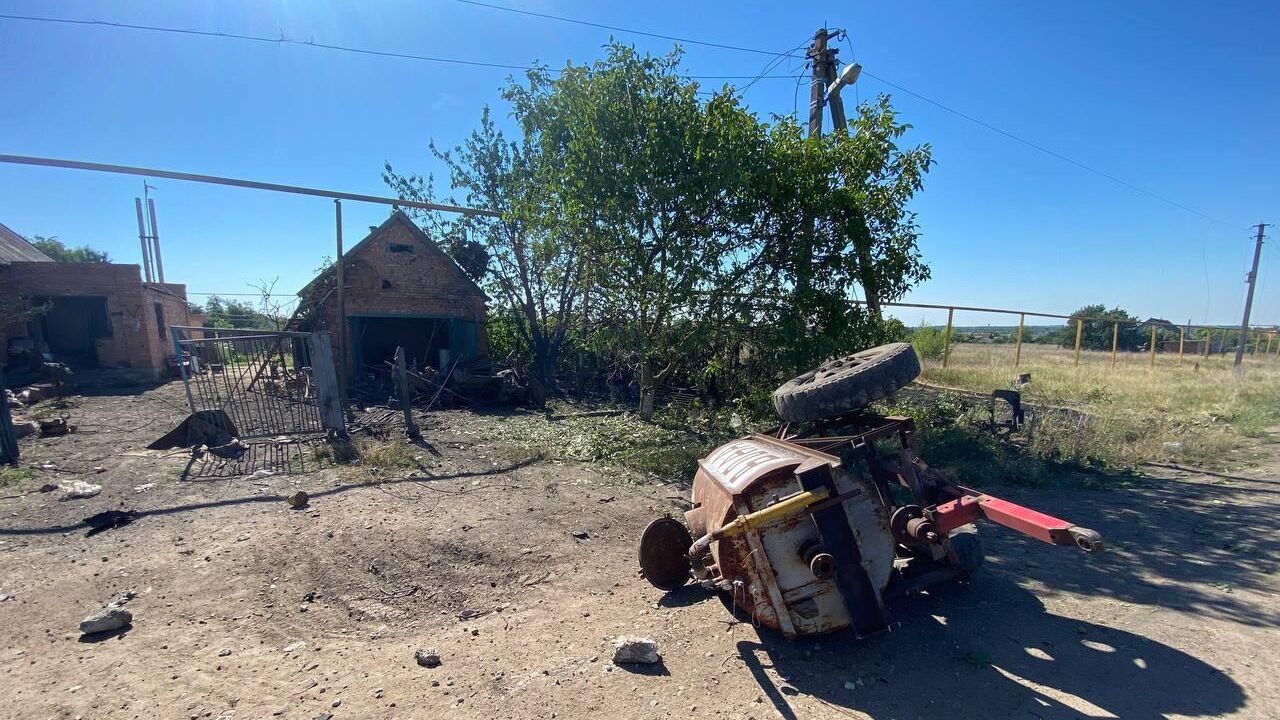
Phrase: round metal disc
[664,548]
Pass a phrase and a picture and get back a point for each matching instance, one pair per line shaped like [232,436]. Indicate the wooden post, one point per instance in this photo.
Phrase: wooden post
[343,355]
[1017,351]
[402,385]
[1153,345]
[1182,339]
[818,84]
[8,436]
[1079,331]
[331,415]
[946,337]
[1115,342]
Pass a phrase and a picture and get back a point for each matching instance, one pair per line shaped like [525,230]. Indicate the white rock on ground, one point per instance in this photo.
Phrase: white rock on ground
[80,489]
[635,650]
[427,657]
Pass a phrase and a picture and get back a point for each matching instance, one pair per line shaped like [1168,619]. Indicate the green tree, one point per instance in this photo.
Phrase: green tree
[657,186]
[55,249]
[220,313]
[1099,324]
[673,237]
[533,265]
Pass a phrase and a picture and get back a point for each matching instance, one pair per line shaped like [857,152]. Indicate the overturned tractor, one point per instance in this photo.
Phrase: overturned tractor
[810,528]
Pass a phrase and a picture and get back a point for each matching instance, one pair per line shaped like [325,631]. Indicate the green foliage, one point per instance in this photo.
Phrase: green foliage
[55,249]
[929,342]
[220,313]
[665,238]
[13,475]
[1097,332]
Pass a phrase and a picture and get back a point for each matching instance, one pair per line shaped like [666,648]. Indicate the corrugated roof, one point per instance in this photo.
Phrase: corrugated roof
[15,248]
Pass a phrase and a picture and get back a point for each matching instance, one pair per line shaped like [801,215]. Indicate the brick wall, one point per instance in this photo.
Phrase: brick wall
[135,342]
[425,282]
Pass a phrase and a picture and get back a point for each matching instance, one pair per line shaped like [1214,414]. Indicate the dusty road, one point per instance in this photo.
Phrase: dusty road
[246,609]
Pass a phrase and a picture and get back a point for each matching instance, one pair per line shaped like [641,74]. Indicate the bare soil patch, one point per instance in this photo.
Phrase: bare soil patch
[248,609]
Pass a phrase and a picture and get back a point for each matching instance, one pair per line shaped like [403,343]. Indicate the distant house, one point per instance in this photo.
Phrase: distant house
[1159,323]
[90,315]
[401,290]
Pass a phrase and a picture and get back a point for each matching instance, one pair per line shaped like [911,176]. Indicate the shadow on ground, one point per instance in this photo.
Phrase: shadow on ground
[1178,544]
[421,478]
[989,650]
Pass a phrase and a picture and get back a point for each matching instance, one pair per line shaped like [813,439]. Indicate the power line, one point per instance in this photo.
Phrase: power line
[630,31]
[912,93]
[1046,150]
[282,40]
[775,62]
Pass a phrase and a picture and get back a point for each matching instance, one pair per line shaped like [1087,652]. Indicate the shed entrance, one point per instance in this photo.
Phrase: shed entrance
[72,327]
[425,340]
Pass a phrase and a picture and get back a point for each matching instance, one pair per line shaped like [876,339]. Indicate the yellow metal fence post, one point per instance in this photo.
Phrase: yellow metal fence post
[1153,345]
[1115,342]
[1017,351]
[1079,330]
[946,337]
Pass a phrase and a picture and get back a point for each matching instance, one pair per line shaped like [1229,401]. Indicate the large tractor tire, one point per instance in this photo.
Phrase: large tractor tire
[846,384]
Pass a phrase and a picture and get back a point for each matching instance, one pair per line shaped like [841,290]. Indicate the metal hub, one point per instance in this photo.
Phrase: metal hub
[664,549]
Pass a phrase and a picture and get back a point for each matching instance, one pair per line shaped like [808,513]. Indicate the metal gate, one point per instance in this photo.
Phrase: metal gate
[267,382]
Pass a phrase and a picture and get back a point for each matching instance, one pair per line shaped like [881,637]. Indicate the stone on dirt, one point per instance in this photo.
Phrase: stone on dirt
[111,617]
[77,489]
[427,657]
[298,500]
[635,650]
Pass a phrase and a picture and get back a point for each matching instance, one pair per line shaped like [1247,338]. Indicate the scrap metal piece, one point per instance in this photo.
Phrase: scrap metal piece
[663,553]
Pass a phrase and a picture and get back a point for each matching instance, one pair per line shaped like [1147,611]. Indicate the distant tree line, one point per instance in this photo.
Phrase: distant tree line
[57,251]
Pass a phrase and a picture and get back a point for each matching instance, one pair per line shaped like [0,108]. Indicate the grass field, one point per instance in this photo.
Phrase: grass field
[1197,411]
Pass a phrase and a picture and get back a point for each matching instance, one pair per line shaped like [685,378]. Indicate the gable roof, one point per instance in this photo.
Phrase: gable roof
[397,216]
[15,248]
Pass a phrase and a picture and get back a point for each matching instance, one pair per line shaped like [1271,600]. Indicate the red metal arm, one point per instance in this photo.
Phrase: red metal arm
[971,505]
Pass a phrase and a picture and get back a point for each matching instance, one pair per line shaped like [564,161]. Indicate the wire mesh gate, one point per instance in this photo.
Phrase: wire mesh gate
[267,383]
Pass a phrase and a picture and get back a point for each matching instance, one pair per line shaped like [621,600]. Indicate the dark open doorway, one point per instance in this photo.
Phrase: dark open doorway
[375,340]
[72,327]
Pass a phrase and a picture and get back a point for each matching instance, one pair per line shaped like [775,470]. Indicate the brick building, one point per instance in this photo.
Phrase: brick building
[88,315]
[401,290]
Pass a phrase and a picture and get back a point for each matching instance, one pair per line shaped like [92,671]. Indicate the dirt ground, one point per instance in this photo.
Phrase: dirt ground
[247,609]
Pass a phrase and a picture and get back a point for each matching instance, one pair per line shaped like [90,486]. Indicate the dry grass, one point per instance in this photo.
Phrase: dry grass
[1198,411]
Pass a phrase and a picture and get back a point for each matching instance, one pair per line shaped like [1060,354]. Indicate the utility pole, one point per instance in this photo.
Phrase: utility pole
[1252,279]
[820,59]
[824,89]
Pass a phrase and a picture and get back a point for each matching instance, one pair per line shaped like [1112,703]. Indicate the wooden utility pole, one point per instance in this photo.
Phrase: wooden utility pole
[820,58]
[342,316]
[1017,350]
[402,387]
[1252,279]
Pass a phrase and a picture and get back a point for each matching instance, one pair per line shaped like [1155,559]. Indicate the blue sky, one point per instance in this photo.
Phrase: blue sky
[1177,98]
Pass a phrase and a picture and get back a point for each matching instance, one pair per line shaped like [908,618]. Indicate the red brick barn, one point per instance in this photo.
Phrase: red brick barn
[88,315]
[401,290]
